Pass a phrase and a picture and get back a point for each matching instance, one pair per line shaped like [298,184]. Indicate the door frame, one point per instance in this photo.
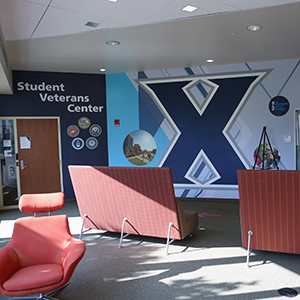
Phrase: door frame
[2,207]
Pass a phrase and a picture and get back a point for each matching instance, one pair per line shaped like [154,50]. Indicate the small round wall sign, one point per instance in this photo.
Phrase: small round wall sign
[92,143]
[78,143]
[73,130]
[84,122]
[279,106]
[95,130]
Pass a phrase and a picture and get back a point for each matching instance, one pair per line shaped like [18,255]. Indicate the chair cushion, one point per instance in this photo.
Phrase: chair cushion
[188,220]
[32,277]
[41,203]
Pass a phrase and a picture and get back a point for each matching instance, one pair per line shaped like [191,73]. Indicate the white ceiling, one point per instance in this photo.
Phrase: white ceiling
[51,35]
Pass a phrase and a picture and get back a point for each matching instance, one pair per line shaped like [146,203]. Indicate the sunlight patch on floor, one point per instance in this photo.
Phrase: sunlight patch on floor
[6,228]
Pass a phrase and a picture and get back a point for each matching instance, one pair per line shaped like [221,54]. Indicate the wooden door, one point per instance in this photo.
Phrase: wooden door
[38,155]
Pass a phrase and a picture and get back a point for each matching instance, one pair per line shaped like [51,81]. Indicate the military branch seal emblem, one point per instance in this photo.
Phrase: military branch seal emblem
[95,130]
[84,122]
[78,143]
[73,130]
[92,143]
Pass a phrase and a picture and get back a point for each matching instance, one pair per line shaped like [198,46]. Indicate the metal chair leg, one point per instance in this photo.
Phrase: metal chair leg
[82,225]
[122,232]
[168,239]
[248,249]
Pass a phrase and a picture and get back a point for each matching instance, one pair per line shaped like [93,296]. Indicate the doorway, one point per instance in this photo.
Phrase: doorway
[30,157]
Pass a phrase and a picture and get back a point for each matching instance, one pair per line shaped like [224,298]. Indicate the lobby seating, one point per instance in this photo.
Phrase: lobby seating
[270,210]
[132,200]
[41,255]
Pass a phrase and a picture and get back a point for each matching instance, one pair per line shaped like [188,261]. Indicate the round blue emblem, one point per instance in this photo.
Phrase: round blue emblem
[91,143]
[279,106]
[95,130]
[78,143]
[73,130]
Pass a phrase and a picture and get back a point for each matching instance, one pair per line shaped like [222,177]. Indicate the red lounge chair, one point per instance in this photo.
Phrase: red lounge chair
[42,254]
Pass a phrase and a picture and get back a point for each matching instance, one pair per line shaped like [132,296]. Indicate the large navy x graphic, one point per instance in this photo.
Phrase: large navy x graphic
[203,132]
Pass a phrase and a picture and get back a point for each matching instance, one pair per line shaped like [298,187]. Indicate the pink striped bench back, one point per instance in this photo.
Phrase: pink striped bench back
[145,196]
[270,208]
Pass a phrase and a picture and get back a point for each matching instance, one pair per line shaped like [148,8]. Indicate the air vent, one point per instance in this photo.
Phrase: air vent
[92,24]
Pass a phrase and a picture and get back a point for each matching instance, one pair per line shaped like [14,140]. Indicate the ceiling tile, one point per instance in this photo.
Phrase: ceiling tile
[132,13]
[42,2]
[19,18]
[174,10]
[246,4]
[58,22]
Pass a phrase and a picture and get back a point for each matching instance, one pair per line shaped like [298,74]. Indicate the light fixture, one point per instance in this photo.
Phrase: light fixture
[209,60]
[113,0]
[113,43]
[254,27]
[189,8]
[102,69]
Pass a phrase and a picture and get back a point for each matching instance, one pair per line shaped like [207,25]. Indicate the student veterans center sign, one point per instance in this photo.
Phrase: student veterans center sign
[57,93]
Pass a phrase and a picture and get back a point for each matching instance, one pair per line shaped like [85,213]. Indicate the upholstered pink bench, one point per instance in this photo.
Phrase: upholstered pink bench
[134,200]
[270,210]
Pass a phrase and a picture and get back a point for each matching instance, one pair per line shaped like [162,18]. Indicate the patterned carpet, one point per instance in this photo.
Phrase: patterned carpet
[211,264]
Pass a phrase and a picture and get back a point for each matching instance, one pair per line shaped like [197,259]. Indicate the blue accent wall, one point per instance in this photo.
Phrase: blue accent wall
[206,121]
[122,104]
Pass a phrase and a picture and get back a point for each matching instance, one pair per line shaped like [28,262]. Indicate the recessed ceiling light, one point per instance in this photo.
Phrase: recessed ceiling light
[102,70]
[190,8]
[92,24]
[254,27]
[113,0]
[113,43]
[209,60]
